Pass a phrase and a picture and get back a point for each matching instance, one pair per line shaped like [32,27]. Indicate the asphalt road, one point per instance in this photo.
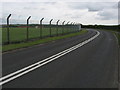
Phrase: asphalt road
[93,65]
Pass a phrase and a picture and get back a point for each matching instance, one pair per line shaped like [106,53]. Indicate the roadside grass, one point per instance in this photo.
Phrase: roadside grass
[116,33]
[41,41]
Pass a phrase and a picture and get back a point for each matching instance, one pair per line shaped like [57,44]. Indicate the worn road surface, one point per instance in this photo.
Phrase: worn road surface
[92,65]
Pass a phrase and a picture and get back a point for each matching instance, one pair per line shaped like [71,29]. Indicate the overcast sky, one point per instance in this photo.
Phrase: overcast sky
[79,11]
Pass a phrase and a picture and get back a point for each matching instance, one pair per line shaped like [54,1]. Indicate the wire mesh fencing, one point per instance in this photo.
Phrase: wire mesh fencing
[17,33]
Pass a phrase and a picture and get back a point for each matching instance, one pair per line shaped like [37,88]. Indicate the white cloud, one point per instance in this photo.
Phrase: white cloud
[60,0]
[83,12]
[119,13]
[109,14]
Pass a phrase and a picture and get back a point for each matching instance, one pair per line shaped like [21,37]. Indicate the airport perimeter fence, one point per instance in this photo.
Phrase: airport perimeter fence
[18,33]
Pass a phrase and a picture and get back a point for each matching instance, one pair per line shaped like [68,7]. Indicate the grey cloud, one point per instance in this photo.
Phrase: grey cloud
[77,5]
[29,8]
[105,11]
[119,4]
[115,5]
[119,13]
[50,3]
[71,9]
[108,15]
[93,6]
[94,9]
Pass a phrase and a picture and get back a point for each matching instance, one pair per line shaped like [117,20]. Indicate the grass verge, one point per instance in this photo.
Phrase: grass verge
[46,40]
[117,34]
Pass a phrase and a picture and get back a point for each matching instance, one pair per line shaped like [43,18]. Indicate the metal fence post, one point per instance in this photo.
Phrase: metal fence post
[74,27]
[8,32]
[57,26]
[71,27]
[28,27]
[68,22]
[50,27]
[41,27]
[63,27]
[68,26]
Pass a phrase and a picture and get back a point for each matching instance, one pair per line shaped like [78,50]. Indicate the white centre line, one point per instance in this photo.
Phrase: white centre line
[34,66]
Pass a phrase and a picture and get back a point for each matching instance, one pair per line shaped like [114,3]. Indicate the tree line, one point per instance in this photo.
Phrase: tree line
[107,27]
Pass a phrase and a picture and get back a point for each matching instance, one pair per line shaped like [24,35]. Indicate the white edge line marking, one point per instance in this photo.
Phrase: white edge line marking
[41,63]
[7,76]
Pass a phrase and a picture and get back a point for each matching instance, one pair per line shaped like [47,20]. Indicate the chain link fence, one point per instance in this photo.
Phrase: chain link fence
[17,33]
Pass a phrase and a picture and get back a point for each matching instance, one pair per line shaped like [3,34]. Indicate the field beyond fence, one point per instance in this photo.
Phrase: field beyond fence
[19,34]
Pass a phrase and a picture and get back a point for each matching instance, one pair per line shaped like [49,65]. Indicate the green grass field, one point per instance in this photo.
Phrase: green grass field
[19,34]
[117,36]
[45,40]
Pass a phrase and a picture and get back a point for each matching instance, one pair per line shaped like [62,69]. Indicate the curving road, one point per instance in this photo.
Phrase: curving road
[90,64]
